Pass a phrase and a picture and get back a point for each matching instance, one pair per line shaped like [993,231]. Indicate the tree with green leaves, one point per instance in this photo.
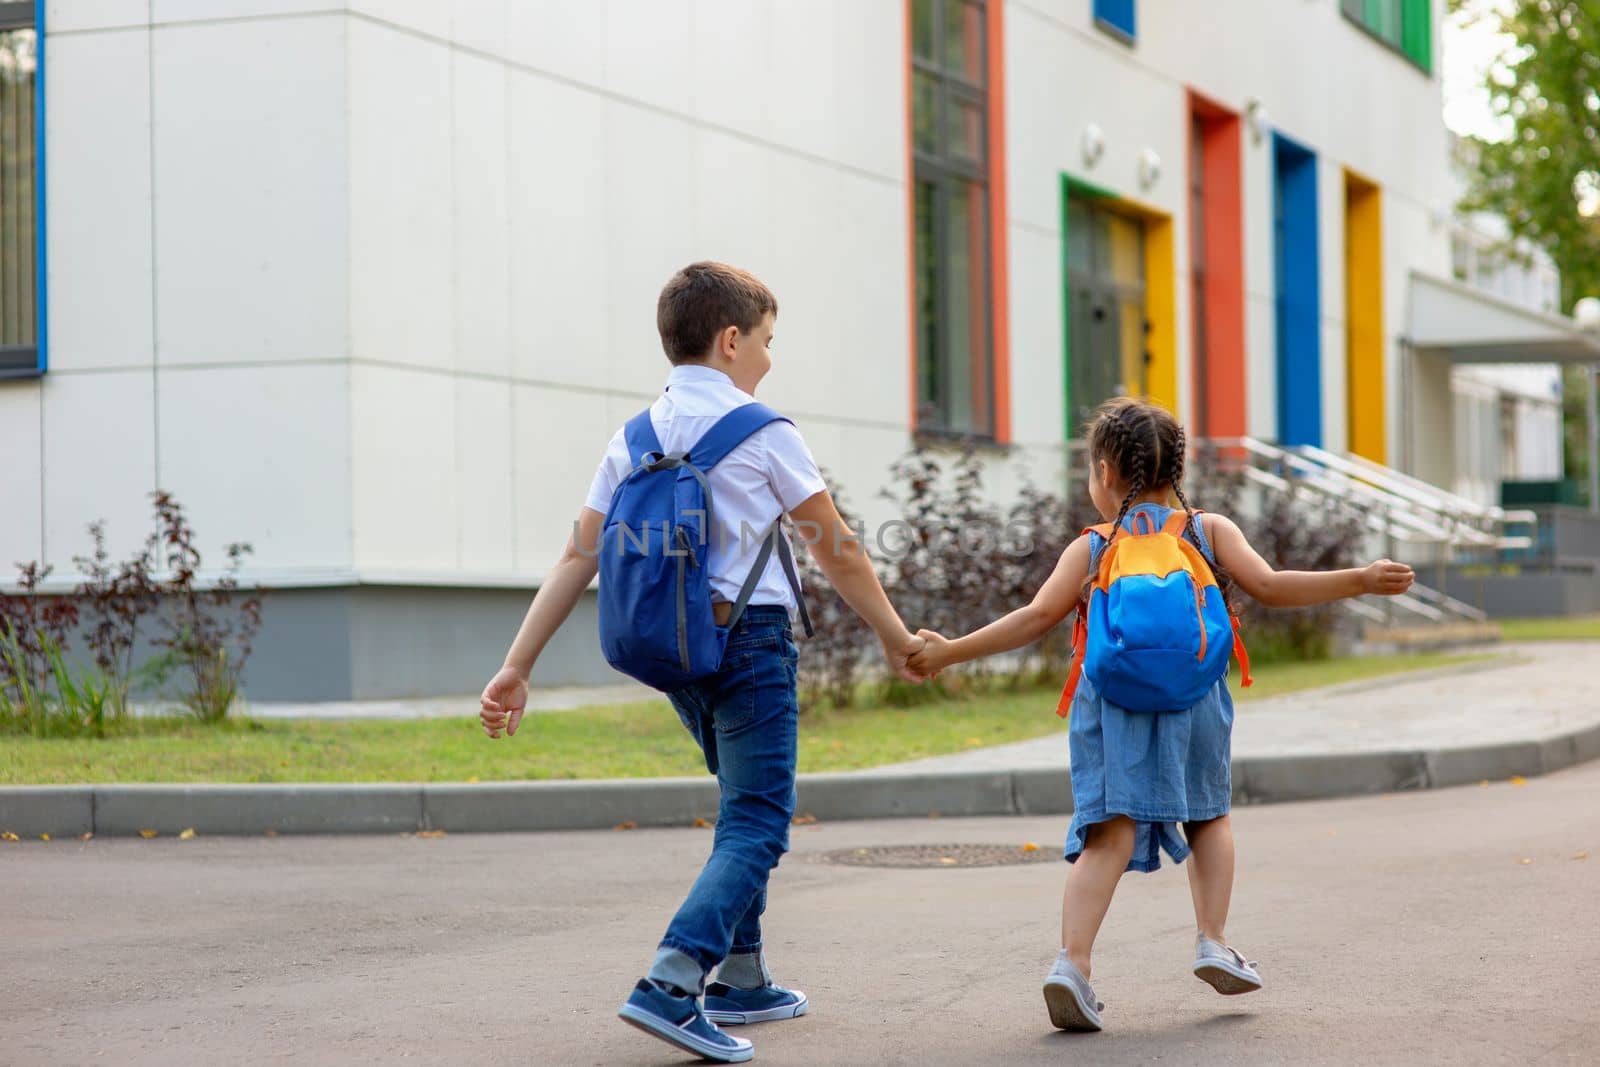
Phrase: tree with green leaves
[1543,178]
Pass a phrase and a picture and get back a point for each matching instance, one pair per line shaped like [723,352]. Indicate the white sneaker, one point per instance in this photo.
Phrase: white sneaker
[1071,1000]
[1223,969]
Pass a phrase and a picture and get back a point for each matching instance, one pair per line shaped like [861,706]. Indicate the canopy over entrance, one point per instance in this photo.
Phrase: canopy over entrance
[1466,325]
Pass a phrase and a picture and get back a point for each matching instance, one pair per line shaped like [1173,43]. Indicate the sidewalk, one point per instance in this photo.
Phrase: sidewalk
[1532,710]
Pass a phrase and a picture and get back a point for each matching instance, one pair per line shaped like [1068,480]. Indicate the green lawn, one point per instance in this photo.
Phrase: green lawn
[1581,628]
[636,740]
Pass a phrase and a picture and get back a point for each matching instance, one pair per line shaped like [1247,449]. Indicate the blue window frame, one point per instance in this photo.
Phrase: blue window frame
[22,276]
[1117,18]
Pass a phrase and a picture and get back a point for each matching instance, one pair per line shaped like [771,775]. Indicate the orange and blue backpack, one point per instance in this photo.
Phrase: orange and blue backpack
[1155,633]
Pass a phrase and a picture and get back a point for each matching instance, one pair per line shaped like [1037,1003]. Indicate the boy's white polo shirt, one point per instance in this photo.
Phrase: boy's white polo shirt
[770,473]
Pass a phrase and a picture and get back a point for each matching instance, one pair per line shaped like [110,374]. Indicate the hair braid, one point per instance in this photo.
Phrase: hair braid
[1174,477]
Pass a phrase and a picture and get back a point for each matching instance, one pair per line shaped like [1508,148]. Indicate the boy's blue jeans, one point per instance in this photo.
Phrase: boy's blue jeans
[746,720]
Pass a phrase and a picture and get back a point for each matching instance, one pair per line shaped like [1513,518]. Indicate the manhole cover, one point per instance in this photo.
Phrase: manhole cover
[938,856]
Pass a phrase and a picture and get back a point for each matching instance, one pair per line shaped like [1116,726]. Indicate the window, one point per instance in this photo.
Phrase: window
[1116,17]
[1107,344]
[954,291]
[20,218]
[1404,25]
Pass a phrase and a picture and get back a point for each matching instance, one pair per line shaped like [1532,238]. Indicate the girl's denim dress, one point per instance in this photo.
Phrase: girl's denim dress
[1157,768]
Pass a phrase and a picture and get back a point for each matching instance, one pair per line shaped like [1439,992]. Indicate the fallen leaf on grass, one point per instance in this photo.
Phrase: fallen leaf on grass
[629,825]
[947,860]
[186,835]
[473,780]
[9,836]
[974,742]
[430,833]
[701,824]
[147,834]
[1517,779]
[1029,846]
[805,820]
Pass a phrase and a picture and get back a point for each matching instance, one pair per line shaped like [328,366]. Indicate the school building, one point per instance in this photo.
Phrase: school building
[369,283]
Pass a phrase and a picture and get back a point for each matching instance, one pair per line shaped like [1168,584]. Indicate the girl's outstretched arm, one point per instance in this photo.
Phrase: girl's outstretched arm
[1298,589]
[1055,600]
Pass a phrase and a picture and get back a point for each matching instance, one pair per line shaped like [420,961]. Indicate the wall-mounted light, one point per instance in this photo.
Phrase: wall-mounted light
[1256,120]
[1586,313]
[1094,144]
[1149,168]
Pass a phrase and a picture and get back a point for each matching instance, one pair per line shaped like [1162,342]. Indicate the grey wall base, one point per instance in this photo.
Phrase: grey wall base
[1529,594]
[378,642]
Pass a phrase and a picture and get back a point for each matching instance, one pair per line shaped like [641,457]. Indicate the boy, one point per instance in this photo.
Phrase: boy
[716,326]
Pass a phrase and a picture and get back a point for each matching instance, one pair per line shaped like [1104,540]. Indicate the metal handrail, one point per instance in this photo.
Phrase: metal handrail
[1407,504]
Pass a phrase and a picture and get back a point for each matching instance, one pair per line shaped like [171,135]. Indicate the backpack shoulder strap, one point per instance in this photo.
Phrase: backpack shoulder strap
[640,434]
[729,432]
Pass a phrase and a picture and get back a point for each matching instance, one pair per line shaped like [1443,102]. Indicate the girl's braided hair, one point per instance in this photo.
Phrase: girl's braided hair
[1144,442]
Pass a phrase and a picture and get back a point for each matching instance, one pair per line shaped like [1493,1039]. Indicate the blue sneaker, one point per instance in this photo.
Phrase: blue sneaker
[679,1021]
[733,1006]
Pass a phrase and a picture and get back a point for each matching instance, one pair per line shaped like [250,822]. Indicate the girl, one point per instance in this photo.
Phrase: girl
[1136,775]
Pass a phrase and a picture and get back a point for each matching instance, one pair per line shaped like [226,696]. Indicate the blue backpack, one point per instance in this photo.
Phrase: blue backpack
[656,621]
[1156,633]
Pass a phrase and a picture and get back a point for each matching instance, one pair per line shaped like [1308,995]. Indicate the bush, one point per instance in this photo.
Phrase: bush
[205,635]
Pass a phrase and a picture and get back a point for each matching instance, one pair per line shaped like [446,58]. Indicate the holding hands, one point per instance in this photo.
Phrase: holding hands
[900,649]
[935,655]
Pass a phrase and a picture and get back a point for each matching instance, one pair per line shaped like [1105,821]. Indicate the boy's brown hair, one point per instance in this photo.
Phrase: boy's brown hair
[702,300]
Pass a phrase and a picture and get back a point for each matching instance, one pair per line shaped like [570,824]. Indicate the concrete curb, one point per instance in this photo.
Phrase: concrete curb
[113,810]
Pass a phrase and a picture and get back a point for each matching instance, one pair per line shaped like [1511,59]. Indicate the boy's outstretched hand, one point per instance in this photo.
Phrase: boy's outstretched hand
[1387,578]
[931,660]
[504,700]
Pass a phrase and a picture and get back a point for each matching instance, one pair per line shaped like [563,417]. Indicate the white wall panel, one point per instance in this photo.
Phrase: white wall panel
[650,52]
[480,155]
[649,232]
[98,133]
[405,492]
[65,16]
[558,439]
[262,455]
[564,39]
[402,286]
[99,461]
[805,87]
[170,11]
[1038,383]
[869,68]
[731,73]
[484,515]
[431,17]
[483,25]
[558,207]
[21,538]
[250,204]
